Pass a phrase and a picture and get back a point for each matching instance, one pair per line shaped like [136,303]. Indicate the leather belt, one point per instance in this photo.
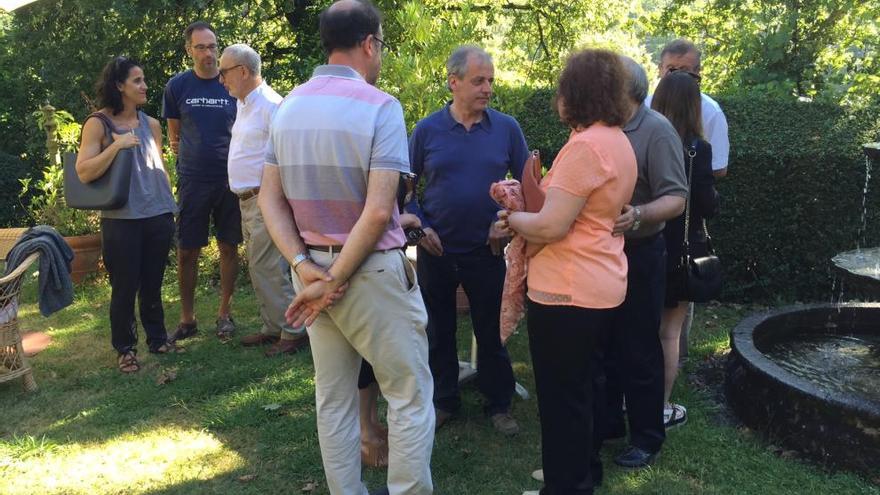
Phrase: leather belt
[326,249]
[250,193]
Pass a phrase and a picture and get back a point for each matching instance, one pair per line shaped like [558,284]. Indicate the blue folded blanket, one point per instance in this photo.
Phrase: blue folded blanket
[56,287]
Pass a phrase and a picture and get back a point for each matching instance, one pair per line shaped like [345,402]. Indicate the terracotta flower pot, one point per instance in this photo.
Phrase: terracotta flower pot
[86,253]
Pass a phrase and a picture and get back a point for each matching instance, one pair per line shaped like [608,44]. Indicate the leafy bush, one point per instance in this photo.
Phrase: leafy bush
[47,205]
[11,209]
[793,197]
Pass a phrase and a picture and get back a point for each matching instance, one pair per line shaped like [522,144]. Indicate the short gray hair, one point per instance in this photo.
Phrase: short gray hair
[456,64]
[636,80]
[244,55]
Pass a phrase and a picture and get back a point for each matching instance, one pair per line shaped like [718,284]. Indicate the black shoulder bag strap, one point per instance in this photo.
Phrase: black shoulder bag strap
[691,151]
[108,125]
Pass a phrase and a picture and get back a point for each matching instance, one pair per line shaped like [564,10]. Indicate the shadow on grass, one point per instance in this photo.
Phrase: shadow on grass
[261,408]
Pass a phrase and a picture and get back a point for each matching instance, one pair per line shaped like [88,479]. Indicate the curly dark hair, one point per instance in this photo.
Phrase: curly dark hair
[115,72]
[591,89]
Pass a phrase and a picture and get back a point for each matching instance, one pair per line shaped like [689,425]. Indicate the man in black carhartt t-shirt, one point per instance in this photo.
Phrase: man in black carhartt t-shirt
[200,115]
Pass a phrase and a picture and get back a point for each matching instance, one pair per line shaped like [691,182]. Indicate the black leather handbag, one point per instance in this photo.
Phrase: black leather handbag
[701,277]
[108,192]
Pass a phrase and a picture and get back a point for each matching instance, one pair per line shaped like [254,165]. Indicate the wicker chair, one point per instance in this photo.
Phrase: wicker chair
[13,364]
[8,238]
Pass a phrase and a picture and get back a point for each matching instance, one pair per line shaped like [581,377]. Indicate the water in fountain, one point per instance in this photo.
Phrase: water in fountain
[835,362]
[863,224]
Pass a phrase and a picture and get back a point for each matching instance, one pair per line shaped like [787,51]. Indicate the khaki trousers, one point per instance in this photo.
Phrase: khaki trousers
[268,271]
[381,318]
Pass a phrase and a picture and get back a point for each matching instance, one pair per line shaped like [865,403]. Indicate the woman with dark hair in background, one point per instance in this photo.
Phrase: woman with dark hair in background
[579,276]
[678,98]
[136,237]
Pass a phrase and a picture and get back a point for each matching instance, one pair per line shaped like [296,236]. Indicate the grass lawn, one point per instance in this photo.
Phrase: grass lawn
[235,422]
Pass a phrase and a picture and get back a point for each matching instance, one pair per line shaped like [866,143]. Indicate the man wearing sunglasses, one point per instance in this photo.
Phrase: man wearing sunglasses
[682,55]
[200,115]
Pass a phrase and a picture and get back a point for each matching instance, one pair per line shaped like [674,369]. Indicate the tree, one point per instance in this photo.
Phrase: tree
[806,48]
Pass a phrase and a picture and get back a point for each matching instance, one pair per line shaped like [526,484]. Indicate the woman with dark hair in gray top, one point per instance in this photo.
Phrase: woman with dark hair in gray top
[136,237]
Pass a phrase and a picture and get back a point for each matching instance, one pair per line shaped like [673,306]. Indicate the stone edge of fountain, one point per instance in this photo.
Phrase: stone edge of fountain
[742,341]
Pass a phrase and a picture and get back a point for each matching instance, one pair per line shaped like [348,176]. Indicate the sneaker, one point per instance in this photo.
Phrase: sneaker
[674,415]
[225,328]
[634,457]
[505,424]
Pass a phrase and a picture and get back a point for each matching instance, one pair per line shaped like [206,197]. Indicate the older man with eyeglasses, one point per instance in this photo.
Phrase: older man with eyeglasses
[200,115]
[240,74]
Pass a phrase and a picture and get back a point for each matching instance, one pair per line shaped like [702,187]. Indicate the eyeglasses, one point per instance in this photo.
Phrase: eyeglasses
[202,48]
[224,71]
[386,48]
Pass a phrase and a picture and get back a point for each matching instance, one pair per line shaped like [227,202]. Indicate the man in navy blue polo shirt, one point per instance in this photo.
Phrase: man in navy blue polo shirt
[200,115]
[460,150]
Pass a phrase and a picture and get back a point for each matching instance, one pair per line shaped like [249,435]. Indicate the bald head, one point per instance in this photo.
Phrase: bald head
[343,5]
[346,23]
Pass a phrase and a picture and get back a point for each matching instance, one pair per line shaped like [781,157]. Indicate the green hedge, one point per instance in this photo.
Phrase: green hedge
[793,196]
[12,214]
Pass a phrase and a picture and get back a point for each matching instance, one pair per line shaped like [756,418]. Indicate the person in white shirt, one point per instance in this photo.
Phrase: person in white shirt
[682,55]
[256,102]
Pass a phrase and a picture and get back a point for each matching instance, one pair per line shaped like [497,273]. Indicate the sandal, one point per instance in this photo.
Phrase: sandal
[128,363]
[167,348]
[184,331]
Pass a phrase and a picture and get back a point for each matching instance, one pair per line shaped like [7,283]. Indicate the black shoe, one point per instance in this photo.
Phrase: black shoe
[441,417]
[380,491]
[634,457]
[184,331]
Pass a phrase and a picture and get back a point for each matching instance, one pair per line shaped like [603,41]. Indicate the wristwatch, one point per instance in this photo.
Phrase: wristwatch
[637,212]
[299,259]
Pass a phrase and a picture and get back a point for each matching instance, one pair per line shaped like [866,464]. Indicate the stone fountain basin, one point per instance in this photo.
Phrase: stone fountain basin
[838,429]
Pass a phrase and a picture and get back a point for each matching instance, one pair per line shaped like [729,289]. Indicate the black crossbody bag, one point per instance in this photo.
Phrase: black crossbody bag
[701,277]
[108,192]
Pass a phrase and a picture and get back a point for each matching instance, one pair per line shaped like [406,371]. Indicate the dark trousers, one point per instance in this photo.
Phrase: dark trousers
[634,357]
[481,274]
[564,345]
[135,254]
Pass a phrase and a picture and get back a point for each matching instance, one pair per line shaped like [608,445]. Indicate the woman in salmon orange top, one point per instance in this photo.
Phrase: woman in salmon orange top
[579,276]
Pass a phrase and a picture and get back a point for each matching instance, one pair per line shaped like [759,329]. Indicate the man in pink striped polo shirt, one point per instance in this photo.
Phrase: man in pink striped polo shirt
[337,146]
